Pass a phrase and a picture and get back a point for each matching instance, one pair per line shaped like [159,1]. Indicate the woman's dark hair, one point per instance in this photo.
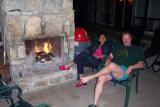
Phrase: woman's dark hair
[96,39]
[105,35]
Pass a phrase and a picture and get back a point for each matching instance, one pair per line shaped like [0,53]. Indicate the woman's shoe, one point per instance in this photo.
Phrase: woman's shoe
[79,84]
[63,67]
[92,105]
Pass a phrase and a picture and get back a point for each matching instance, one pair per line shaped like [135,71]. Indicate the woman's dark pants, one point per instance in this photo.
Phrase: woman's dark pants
[85,59]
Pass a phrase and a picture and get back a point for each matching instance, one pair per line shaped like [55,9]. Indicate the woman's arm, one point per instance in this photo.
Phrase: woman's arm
[91,48]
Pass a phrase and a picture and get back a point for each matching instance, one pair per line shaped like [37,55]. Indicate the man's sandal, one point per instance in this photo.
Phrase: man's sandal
[92,105]
[79,84]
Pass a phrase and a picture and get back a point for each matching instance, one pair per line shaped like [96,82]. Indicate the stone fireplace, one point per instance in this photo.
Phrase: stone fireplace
[28,28]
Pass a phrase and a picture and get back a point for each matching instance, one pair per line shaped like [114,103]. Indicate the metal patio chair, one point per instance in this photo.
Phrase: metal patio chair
[6,93]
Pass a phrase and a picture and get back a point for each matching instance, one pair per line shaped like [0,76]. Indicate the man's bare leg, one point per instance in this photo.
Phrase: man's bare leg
[112,67]
[99,87]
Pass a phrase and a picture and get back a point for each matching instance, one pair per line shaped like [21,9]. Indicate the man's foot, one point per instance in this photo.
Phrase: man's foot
[79,84]
[85,79]
[92,105]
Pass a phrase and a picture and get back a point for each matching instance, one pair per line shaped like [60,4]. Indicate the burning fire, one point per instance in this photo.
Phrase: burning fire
[36,49]
[46,47]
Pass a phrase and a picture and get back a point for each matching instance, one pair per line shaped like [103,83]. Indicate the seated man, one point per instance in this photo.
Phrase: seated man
[91,57]
[126,58]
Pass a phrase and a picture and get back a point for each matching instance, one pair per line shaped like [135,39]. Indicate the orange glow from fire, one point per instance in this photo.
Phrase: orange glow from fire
[36,48]
[47,47]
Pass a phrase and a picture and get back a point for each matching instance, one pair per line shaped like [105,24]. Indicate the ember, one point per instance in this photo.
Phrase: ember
[45,54]
[42,56]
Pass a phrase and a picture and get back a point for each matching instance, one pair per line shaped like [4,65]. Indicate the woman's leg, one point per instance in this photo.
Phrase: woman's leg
[83,60]
[80,67]
[80,57]
[112,67]
[99,87]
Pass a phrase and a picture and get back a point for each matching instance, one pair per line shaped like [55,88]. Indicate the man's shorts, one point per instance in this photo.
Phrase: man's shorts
[124,76]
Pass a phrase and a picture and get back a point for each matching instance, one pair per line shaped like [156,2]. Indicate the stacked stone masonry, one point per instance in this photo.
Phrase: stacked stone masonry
[34,19]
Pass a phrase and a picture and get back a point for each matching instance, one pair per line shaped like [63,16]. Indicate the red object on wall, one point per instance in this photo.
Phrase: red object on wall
[80,35]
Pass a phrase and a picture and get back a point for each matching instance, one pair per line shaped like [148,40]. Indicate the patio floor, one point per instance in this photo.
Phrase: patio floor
[67,95]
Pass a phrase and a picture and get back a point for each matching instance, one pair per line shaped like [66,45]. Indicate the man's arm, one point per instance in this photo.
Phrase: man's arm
[138,65]
[108,60]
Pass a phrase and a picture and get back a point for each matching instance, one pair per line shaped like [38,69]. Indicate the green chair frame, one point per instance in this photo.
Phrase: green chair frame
[6,93]
[155,65]
[127,83]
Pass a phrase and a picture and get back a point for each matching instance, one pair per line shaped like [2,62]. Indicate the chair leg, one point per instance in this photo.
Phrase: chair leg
[128,90]
[97,69]
[7,100]
[78,77]
[146,64]
[137,82]
[92,69]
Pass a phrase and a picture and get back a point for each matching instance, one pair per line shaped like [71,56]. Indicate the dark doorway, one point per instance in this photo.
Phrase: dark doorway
[81,11]
[123,14]
[115,14]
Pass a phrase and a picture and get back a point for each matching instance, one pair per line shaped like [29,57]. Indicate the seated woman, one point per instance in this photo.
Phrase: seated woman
[92,56]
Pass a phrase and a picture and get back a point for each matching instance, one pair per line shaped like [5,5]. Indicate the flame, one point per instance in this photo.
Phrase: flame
[47,47]
[36,48]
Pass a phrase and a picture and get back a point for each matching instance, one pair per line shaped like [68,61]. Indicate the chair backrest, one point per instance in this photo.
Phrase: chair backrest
[156,38]
[138,32]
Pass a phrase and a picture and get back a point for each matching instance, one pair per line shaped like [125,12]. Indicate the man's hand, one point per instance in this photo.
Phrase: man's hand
[138,65]
[129,70]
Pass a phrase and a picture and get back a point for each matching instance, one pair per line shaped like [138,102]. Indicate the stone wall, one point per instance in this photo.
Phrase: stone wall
[31,19]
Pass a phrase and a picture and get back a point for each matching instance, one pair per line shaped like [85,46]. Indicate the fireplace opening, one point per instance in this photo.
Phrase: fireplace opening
[44,49]
[44,55]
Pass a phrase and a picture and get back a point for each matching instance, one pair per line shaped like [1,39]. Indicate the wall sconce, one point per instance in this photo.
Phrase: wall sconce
[130,2]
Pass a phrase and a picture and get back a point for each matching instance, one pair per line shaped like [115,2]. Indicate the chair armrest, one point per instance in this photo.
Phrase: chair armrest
[134,73]
[7,97]
[4,90]
[7,89]
[129,79]
[19,95]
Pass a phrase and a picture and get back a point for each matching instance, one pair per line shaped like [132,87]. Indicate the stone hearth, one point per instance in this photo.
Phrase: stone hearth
[23,20]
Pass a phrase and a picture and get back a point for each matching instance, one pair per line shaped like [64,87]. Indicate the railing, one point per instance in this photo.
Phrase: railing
[151,23]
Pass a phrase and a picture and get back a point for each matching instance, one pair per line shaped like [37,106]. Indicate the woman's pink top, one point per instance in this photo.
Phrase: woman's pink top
[98,53]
